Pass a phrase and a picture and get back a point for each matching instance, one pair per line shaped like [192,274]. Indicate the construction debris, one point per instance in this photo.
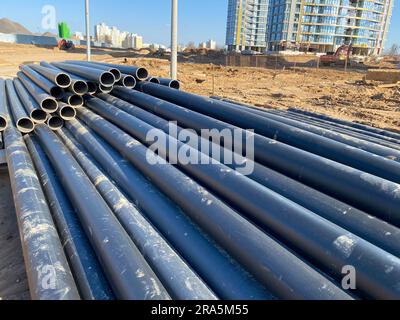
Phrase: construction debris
[383,75]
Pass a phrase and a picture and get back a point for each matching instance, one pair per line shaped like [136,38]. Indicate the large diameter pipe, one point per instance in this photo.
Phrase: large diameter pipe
[78,84]
[31,106]
[87,271]
[337,126]
[301,229]
[382,132]
[22,121]
[369,228]
[66,112]
[48,272]
[153,80]
[92,87]
[3,106]
[116,73]
[74,100]
[104,78]
[127,81]
[286,277]
[324,147]
[355,187]
[42,82]
[343,138]
[103,89]
[226,278]
[45,101]
[54,122]
[171,83]
[138,72]
[347,131]
[127,271]
[61,79]
[180,281]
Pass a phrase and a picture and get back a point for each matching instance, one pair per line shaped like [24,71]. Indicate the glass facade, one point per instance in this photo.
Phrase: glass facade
[247,24]
[321,24]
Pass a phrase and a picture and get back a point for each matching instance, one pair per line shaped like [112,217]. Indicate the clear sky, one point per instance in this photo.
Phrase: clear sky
[200,20]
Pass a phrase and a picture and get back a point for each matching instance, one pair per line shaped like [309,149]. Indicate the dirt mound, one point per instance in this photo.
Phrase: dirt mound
[49,34]
[8,26]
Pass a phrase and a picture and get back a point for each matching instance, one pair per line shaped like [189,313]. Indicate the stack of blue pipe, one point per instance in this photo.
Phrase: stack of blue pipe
[317,217]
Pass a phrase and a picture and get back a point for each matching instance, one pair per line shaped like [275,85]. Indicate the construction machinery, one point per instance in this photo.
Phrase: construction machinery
[64,34]
[339,57]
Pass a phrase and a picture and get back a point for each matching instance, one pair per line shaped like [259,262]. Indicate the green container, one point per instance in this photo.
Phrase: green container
[63,30]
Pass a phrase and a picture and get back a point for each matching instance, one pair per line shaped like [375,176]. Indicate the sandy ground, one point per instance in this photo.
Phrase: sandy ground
[13,282]
[328,91]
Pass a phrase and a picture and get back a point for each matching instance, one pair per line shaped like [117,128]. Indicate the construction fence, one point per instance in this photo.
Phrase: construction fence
[273,61]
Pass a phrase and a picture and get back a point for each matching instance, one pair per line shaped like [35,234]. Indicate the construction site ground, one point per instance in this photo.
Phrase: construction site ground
[331,91]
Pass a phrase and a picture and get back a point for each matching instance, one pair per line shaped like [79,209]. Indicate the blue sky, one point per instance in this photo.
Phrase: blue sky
[199,19]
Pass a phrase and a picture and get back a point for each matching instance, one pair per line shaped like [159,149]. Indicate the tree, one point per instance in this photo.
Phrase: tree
[191,45]
[394,50]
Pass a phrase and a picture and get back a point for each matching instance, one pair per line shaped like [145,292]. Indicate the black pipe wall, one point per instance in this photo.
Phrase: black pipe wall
[128,273]
[371,229]
[212,215]
[226,277]
[357,188]
[297,228]
[87,271]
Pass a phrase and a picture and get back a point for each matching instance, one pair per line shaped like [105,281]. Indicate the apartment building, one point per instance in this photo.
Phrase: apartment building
[321,25]
[116,38]
[247,25]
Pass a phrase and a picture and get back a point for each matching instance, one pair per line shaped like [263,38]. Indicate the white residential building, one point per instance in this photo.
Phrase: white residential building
[211,44]
[79,35]
[116,38]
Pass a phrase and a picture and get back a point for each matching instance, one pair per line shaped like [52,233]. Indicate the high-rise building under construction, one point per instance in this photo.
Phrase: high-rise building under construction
[318,25]
[247,25]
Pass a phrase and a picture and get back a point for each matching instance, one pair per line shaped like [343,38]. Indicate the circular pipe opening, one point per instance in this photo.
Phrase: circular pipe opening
[67,113]
[80,87]
[39,116]
[105,89]
[49,105]
[142,74]
[153,80]
[174,84]
[55,123]
[129,82]
[92,87]
[3,123]
[116,73]
[57,92]
[107,79]
[25,125]
[63,80]
[75,101]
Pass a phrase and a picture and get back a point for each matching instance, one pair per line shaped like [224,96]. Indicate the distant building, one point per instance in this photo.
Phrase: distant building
[247,25]
[116,38]
[138,42]
[202,45]
[211,44]
[325,25]
[321,25]
[154,46]
[79,35]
